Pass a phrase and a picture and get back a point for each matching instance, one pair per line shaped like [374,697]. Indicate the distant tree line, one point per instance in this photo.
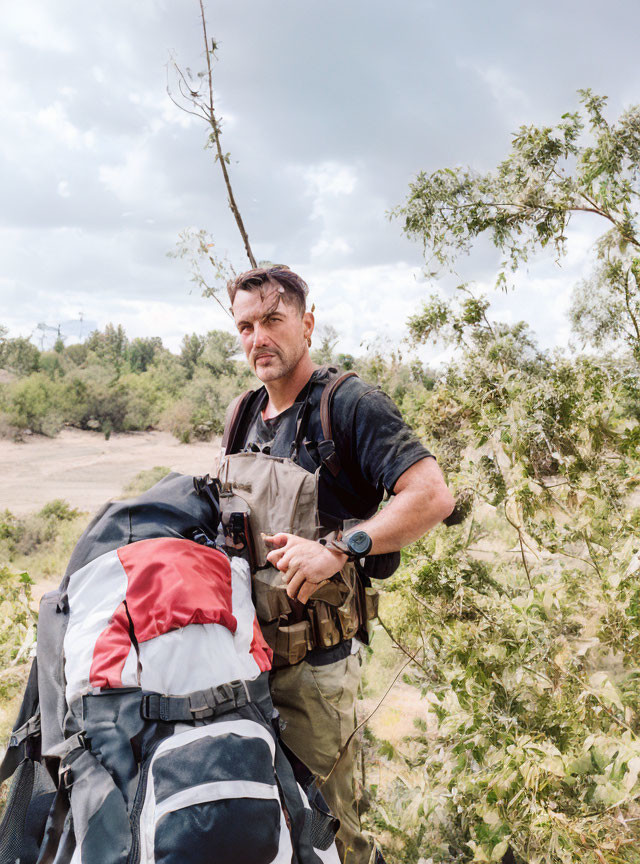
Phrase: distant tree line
[111,383]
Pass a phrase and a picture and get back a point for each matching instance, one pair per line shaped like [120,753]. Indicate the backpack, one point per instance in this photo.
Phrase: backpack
[147,732]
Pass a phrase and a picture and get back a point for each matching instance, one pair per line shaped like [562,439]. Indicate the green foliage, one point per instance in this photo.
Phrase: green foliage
[525,617]
[18,355]
[142,352]
[606,307]
[328,339]
[584,164]
[191,351]
[17,632]
[24,535]
[34,404]
[199,412]
[145,480]
[197,247]
[112,384]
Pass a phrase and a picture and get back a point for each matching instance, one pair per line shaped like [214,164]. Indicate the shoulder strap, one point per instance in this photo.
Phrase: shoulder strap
[332,460]
[232,419]
[326,401]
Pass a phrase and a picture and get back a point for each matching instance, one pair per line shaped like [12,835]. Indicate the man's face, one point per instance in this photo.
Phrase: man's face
[273,333]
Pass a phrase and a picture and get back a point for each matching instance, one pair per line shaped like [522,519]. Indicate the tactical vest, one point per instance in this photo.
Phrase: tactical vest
[262,495]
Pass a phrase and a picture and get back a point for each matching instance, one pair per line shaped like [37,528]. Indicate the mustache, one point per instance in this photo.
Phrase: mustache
[264,352]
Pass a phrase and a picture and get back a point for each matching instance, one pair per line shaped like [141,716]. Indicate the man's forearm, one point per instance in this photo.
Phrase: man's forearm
[421,501]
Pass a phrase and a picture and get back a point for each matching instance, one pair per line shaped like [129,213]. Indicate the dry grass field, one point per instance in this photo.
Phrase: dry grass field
[85,469]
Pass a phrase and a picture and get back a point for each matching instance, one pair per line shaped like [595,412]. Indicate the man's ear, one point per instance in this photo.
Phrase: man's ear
[309,322]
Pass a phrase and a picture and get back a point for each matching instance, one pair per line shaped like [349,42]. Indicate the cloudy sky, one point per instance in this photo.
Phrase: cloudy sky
[329,109]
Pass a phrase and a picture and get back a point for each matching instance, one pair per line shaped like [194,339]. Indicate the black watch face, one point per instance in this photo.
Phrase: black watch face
[359,543]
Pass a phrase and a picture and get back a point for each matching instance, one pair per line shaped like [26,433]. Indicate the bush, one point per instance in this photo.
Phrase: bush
[145,480]
[114,385]
[59,510]
[17,634]
[23,535]
[200,412]
[524,619]
[35,404]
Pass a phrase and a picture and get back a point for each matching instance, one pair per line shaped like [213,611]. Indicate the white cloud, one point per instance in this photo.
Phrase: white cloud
[54,122]
[63,189]
[38,25]
[511,100]
[134,180]
[361,301]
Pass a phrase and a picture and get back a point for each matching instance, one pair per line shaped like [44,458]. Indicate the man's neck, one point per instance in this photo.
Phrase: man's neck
[283,391]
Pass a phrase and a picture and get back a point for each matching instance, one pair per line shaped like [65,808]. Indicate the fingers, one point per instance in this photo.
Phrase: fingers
[275,556]
[295,582]
[276,540]
[309,589]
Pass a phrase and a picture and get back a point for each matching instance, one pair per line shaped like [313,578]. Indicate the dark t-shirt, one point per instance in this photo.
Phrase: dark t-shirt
[372,441]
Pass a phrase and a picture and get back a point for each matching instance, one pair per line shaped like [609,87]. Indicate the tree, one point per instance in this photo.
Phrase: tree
[329,338]
[18,355]
[142,352]
[583,165]
[527,733]
[191,351]
[110,346]
[218,351]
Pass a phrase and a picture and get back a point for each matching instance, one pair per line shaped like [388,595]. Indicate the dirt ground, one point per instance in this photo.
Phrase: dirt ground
[87,470]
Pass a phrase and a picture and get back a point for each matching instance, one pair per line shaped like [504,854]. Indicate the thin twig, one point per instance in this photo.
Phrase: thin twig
[346,744]
[401,647]
[524,559]
[216,137]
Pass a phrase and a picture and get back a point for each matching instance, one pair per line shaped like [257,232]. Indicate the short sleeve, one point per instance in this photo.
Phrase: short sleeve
[381,443]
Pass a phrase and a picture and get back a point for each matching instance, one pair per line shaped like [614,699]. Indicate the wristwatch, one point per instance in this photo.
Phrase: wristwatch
[355,545]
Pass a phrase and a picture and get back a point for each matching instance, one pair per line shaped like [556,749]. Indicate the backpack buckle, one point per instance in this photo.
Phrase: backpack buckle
[199,709]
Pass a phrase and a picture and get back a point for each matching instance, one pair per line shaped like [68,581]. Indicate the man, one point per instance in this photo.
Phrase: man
[369,451]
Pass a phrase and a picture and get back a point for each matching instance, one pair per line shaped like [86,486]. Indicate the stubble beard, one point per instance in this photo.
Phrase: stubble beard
[280,367]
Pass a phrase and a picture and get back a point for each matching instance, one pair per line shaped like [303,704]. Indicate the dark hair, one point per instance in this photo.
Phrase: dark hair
[292,286]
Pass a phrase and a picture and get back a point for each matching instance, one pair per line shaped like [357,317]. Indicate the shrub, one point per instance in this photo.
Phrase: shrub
[25,534]
[524,619]
[17,633]
[34,404]
[145,480]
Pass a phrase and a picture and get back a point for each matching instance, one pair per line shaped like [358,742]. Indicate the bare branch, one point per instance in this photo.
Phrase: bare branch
[216,136]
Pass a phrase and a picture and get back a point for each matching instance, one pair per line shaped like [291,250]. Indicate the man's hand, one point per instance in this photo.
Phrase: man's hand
[305,564]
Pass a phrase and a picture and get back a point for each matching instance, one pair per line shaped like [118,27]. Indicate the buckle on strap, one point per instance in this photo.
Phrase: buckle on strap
[202,705]
[27,730]
[219,700]
[156,706]
[79,741]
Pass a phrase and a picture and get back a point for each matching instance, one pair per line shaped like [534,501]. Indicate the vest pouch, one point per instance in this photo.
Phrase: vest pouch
[349,619]
[234,532]
[270,593]
[371,600]
[292,643]
[323,620]
[332,592]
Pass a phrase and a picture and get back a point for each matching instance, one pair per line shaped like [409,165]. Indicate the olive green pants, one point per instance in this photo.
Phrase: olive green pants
[317,705]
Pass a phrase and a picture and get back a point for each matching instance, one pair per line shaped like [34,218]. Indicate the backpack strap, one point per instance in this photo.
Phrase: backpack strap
[326,401]
[332,460]
[232,420]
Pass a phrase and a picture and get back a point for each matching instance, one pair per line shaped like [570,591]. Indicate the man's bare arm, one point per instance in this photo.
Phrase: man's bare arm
[421,501]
